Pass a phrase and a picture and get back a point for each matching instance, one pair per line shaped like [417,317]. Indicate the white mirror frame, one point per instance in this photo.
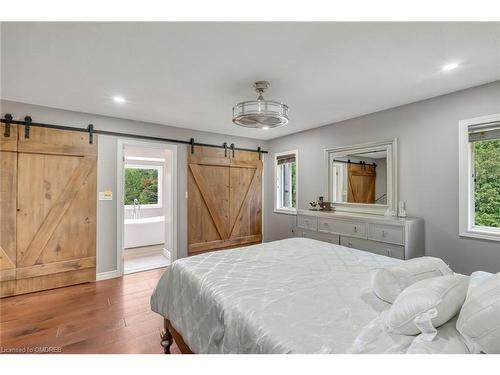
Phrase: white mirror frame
[389,209]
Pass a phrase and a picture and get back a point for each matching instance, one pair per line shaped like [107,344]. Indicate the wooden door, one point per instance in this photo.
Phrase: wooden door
[245,191]
[8,196]
[56,210]
[361,183]
[224,199]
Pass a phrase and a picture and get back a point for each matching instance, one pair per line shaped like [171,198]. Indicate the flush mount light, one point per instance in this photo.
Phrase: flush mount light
[119,99]
[449,66]
[260,113]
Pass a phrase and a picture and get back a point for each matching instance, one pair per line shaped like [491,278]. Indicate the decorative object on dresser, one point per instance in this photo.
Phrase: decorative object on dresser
[391,236]
[320,204]
[402,209]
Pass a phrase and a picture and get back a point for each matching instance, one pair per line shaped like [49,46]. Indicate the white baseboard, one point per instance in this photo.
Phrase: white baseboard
[107,275]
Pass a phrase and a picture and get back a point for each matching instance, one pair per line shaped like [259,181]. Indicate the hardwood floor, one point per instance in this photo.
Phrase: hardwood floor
[111,316]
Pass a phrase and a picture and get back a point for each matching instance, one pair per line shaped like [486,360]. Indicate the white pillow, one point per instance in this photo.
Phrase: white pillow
[388,283]
[479,319]
[430,303]
[447,341]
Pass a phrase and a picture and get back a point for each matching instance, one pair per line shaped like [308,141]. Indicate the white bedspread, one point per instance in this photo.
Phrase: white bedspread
[292,296]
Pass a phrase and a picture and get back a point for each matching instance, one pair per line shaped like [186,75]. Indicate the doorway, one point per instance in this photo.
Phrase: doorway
[147,182]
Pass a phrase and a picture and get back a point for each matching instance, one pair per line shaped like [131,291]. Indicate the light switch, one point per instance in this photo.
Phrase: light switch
[106,195]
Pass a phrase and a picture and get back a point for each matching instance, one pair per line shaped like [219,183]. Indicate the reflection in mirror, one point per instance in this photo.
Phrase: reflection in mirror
[363,178]
[360,177]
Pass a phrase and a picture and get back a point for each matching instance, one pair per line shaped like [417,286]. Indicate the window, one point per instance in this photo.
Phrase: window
[480,177]
[142,182]
[285,165]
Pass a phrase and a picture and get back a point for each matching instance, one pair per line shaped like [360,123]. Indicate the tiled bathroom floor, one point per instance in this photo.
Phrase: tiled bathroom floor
[144,258]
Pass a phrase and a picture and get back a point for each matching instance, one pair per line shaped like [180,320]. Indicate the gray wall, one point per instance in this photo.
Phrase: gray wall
[106,165]
[428,169]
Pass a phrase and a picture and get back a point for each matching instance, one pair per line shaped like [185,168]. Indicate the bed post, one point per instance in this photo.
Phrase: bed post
[166,337]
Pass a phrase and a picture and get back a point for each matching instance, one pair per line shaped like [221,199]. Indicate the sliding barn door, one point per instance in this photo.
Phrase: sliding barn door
[56,210]
[224,199]
[8,197]
[361,183]
[245,191]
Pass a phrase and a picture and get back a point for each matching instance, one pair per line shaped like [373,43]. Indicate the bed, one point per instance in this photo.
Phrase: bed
[296,295]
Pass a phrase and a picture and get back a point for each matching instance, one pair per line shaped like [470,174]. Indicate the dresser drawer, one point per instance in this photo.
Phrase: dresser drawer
[348,227]
[325,237]
[380,248]
[326,225]
[386,233]
[307,222]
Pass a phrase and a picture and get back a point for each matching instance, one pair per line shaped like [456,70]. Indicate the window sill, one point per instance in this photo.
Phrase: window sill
[286,211]
[491,235]
[144,206]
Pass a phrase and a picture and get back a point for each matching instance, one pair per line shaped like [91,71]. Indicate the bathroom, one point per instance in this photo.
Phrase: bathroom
[147,182]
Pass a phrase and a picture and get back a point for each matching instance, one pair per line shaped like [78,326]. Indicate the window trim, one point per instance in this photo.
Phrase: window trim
[159,168]
[466,191]
[283,210]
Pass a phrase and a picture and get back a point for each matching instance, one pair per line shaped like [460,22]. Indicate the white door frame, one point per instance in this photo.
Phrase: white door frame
[120,207]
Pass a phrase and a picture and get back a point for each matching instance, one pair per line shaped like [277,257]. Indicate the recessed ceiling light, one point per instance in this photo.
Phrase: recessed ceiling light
[119,99]
[450,66]
[265,127]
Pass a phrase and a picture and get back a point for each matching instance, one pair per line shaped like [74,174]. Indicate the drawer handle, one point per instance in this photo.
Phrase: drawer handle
[355,229]
[389,252]
[384,233]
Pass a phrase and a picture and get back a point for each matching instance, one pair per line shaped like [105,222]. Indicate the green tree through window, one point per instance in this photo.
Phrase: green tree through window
[141,184]
[487,183]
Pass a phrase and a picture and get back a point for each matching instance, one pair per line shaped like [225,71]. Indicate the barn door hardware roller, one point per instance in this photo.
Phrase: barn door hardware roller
[259,151]
[232,148]
[225,149]
[28,121]
[191,141]
[8,120]
[90,129]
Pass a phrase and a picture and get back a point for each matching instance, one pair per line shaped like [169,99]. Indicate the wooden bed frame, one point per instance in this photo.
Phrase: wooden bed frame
[168,335]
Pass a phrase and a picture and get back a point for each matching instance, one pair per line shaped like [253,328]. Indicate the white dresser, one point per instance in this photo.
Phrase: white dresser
[394,237]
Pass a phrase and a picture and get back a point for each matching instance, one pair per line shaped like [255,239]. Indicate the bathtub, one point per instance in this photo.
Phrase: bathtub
[144,231]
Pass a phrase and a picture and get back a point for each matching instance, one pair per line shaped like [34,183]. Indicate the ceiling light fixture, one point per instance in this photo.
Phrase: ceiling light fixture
[260,113]
[119,99]
[450,66]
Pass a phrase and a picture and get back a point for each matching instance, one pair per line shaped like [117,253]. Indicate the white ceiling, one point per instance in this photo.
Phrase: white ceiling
[191,74]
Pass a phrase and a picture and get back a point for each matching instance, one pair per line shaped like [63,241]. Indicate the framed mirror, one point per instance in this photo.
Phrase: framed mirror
[363,178]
